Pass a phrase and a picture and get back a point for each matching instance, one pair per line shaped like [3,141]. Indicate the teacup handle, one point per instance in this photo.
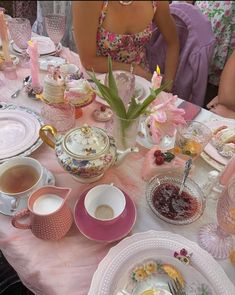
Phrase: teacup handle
[19,215]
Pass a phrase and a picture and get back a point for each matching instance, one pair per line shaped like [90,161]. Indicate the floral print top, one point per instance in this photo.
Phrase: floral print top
[222,17]
[123,48]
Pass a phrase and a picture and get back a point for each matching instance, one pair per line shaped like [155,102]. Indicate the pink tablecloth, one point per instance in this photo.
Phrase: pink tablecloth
[67,266]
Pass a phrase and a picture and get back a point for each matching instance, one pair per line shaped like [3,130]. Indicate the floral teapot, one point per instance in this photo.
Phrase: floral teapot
[86,152]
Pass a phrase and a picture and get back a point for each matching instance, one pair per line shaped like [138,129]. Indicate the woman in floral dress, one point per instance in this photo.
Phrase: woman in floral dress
[121,29]
[222,17]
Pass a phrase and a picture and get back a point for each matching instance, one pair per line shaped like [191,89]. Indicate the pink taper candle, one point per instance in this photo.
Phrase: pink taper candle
[228,172]
[156,79]
[4,37]
[33,54]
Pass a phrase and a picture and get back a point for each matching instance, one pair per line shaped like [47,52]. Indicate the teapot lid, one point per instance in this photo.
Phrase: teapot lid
[86,141]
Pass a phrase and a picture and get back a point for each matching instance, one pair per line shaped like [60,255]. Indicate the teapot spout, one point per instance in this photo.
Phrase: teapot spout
[122,154]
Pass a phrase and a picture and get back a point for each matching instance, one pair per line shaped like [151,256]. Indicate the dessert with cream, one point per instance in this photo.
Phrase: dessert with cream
[224,141]
[54,87]
[79,92]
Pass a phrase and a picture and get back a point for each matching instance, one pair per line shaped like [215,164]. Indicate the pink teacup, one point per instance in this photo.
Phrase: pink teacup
[50,216]
[105,203]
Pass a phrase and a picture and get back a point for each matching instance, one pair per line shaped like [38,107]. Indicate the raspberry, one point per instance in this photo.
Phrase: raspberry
[103,108]
[183,252]
[159,160]
[157,153]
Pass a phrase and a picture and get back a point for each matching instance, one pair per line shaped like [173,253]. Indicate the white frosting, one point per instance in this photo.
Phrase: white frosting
[53,90]
[80,85]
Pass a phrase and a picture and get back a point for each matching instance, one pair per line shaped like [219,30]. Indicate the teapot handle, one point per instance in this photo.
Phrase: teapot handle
[19,215]
[42,133]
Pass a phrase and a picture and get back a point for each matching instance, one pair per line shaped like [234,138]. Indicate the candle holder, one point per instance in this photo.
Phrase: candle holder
[32,91]
[9,70]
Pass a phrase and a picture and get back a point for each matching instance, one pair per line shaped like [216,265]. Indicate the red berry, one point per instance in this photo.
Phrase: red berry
[159,160]
[157,153]
[103,108]
[183,252]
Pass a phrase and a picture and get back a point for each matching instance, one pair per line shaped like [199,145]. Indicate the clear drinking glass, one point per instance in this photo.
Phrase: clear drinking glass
[191,139]
[55,27]
[20,31]
[60,116]
[217,239]
[54,13]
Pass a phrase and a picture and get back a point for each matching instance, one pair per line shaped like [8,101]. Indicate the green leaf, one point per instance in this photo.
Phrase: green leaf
[132,106]
[140,108]
[111,97]
[112,82]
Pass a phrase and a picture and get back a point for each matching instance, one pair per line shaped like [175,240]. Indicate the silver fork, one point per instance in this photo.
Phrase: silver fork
[176,288]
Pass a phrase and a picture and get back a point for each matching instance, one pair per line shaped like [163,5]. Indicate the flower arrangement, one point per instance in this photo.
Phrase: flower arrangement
[134,109]
[162,114]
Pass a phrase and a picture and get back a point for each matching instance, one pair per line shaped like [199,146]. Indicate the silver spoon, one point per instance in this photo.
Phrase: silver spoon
[25,82]
[187,168]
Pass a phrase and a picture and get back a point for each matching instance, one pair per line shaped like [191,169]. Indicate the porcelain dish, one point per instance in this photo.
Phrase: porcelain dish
[104,232]
[155,271]
[110,276]
[6,201]
[45,46]
[27,124]
[210,149]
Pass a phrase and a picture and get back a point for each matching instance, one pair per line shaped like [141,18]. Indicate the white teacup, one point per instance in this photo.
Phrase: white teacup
[105,202]
[19,177]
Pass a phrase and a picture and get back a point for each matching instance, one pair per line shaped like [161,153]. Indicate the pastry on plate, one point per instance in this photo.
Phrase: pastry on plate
[224,140]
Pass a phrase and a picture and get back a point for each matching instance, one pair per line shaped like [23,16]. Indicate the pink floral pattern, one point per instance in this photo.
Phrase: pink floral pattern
[222,17]
[123,48]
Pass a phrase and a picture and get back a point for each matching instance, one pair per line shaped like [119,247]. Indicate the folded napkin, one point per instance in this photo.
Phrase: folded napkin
[150,168]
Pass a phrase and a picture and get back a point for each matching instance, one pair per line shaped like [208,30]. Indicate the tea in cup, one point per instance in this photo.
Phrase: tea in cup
[105,202]
[19,177]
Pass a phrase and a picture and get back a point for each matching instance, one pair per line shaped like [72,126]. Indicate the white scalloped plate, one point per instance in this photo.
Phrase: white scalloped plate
[33,142]
[18,131]
[125,254]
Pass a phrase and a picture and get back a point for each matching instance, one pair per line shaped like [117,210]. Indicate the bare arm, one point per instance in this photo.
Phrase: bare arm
[166,25]
[85,22]
[226,95]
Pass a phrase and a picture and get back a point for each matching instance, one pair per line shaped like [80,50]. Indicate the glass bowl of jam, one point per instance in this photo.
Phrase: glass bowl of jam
[162,194]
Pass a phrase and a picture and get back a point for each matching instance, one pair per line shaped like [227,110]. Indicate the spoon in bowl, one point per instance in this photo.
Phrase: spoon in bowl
[25,82]
[187,168]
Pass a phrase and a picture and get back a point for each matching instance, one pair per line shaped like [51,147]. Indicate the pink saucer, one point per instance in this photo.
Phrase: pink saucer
[108,232]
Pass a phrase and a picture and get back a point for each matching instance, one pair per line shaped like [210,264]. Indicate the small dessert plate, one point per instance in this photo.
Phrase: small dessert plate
[103,114]
[108,232]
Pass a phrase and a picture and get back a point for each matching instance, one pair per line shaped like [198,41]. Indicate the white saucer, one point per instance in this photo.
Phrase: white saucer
[5,200]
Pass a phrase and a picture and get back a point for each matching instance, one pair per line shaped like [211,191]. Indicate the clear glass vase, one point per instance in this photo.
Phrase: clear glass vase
[125,132]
